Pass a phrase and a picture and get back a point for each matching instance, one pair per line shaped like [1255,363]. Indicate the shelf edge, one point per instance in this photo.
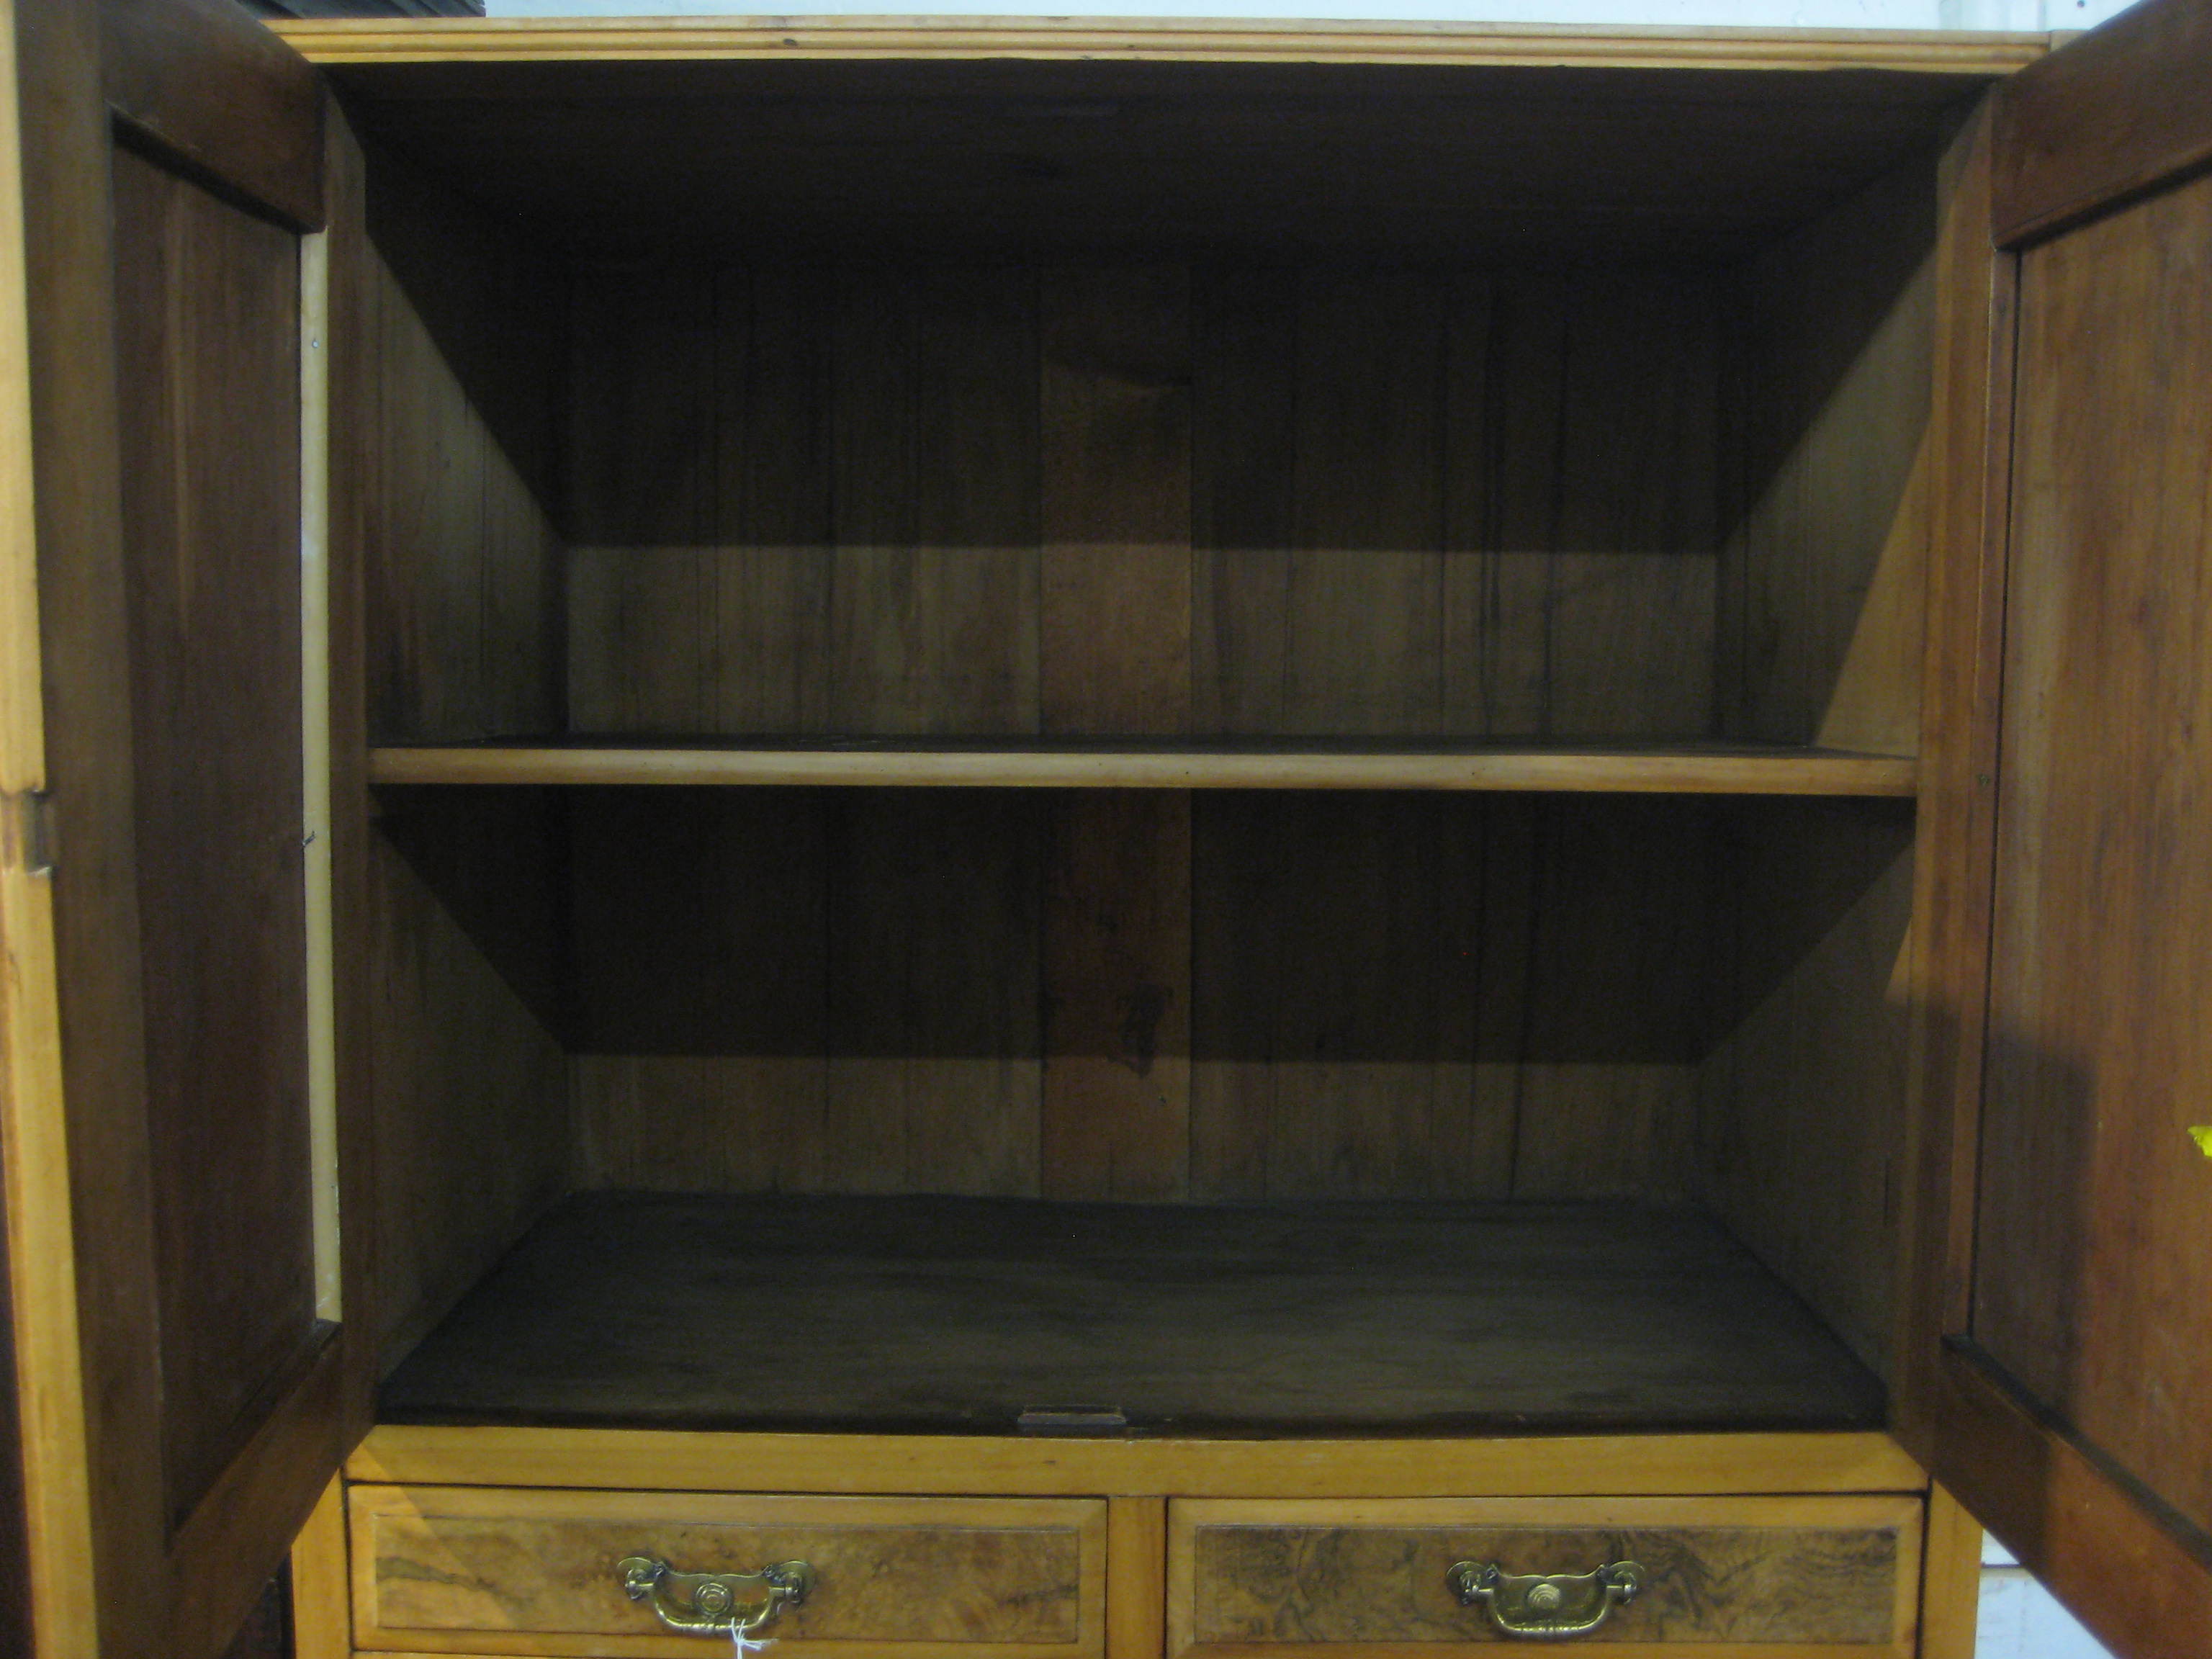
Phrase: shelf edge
[1503,771]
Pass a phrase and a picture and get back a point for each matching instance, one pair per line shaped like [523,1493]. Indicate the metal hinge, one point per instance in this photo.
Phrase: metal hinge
[26,829]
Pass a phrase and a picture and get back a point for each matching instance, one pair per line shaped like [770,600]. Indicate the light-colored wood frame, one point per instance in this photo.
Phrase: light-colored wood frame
[1087,1520]
[1688,771]
[1533,1466]
[336,40]
[1903,1513]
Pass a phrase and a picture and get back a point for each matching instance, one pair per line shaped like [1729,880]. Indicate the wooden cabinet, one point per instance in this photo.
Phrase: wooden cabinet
[1178,838]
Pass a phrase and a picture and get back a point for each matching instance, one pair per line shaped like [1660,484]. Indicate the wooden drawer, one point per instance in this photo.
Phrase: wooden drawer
[486,1571]
[1828,1577]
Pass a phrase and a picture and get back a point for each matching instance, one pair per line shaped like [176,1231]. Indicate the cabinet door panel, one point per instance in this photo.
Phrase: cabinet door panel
[2071,1409]
[182,1382]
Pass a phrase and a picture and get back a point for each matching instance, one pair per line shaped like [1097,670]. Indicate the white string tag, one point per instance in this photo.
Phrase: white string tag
[745,1643]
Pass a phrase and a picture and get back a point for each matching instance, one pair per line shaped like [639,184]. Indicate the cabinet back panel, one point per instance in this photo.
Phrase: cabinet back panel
[1012,498]
[1146,995]
[207,308]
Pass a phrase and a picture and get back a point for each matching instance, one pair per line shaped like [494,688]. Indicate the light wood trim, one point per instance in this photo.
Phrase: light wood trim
[1784,772]
[49,1379]
[322,1611]
[1951,1593]
[1563,1465]
[1905,1513]
[1611,1650]
[315,770]
[333,41]
[1136,1577]
[1086,1520]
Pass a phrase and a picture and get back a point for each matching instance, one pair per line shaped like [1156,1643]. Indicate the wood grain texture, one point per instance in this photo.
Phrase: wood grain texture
[1672,769]
[213,87]
[522,1571]
[350,481]
[1953,823]
[2121,111]
[1115,577]
[939,1313]
[2138,1580]
[1800,1130]
[321,1581]
[333,41]
[1717,1572]
[458,414]
[454,1189]
[1826,558]
[2089,1285]
[933,612]
[1136,1577]
[935,1039]
[1429,503]
[52,1525]
[1392,994]
[1951,1580]
[1518,1465]
[1138,996]
[1005,151]
[207,302]
[1116,1112]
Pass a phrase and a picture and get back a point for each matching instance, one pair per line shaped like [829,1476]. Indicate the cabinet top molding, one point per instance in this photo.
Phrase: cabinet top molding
[515,40]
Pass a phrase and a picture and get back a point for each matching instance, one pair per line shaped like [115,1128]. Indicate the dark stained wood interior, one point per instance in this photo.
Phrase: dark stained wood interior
[936,1313]
[623,159]
[207,302]
[1638,473]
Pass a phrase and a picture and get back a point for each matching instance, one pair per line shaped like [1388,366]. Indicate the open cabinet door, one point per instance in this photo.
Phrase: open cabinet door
[171,1243]
[2073,1405]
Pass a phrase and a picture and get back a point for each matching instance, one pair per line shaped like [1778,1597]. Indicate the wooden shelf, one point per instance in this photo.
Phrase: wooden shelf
[922,1314]
[998,763]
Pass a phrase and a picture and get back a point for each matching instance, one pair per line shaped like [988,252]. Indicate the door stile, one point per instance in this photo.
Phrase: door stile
[1954,827]
[61,1607]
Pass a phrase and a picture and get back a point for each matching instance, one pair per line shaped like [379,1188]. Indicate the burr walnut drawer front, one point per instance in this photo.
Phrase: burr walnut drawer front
[486,1571]
[1769,1576]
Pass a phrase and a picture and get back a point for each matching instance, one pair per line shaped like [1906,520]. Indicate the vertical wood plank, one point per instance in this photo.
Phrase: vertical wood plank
[1117,995]
[322,1609]
[642,504]
[933,616]
[1243,414]
[1136,1577]
[1362,612]
[1951,1582]
[699,940]
[772,438]
[935,1045]
[1954,838]
[1115,583]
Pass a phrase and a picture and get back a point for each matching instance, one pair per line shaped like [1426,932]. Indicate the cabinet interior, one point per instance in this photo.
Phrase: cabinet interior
[1040,405]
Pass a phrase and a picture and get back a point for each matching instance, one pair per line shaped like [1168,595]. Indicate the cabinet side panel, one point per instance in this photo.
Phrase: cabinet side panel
[465,568]
[1823,567]
[470,1103]
[1801,1146]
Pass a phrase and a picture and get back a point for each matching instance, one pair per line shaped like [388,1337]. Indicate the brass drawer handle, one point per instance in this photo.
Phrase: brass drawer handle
[1546,1604]
[715,1603]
